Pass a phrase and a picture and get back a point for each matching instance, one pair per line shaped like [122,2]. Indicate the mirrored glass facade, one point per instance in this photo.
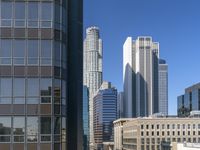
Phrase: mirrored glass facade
[33,74]
[105,112]
[190,101]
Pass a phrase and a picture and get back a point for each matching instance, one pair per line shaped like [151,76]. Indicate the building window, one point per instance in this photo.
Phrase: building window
[193,132]
[157,126]
[5,129]
[152,133]
[152,126]
[45,90]
[45,129]
[173,126]
[32,129]
[33,16]
[19,52]
[6,13]
[6,87]
[163,133]
[188,126]
[188,132]
[32,87]
[163,126]
[168,126]
[19,14]
[46,50]
[147,133]
[147,126]
[183,126]
[18,129]
[157,133]
[33,48]
[19,87]
[183,132]
[194,126]
[178,132]
[168,133]
[178,126]
[5,52]
[142,126]
[142,134]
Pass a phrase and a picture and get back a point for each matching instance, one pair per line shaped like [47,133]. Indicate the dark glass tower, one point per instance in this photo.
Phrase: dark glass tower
[105,112]
[37,38]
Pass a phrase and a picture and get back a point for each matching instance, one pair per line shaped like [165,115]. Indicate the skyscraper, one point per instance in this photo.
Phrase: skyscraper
[105,112]
[40,75]
[140,76]
[163,87]
[92,69]
[85,118]
[120,105]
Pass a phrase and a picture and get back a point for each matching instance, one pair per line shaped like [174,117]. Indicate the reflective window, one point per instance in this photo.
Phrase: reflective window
[18,129]
[45,125]
[57,123]
[5,129]
[5,51]
[45,128]
[46,11]
[32,100]
[46,47]
[6,87]
[33,10]
[33,14]
[32,129]
[18,100]
[33,46]
[19,10]
[19,87]
[19,51]
[33,87]
[6,10]
[45,87]
[57,91]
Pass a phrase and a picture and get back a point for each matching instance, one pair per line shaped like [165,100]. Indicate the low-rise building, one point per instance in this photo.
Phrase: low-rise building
[155,132]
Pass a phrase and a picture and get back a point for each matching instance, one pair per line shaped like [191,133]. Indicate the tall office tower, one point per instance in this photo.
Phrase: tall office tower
[85,118]
[40,42]
[163,87]
[92,68]
[140,76]
[190,101]
[120,105]
[105,112]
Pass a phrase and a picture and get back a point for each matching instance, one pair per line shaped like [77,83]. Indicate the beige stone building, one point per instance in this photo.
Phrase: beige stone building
[155,133]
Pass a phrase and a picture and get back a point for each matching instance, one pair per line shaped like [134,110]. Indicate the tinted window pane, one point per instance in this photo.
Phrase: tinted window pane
[45,87]
[46,48]
[6,10]
[33,87]
[33,10]
[19,10]
[32,125]
[19,87]
[57,124]
[46,11]
[18,125]
[19,48]
[6,87]
[33,48]
[45,125]
[5,50]
[5,125]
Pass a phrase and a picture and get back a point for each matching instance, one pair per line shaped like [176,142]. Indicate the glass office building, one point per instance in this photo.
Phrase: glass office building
[105,112]
[34,68]
[190,101]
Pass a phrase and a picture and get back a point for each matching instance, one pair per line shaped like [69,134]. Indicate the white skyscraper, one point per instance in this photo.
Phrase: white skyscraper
[92,69]
[140,76]
[163,87]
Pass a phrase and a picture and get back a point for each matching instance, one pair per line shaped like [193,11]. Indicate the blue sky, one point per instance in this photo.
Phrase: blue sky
[175,24]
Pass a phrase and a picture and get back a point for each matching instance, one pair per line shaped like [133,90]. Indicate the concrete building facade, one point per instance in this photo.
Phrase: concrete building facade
[154,133]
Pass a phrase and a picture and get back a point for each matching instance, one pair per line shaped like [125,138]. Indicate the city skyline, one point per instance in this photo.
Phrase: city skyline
[171,28]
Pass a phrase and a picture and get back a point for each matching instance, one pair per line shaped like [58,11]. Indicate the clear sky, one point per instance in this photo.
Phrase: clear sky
[175,24]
